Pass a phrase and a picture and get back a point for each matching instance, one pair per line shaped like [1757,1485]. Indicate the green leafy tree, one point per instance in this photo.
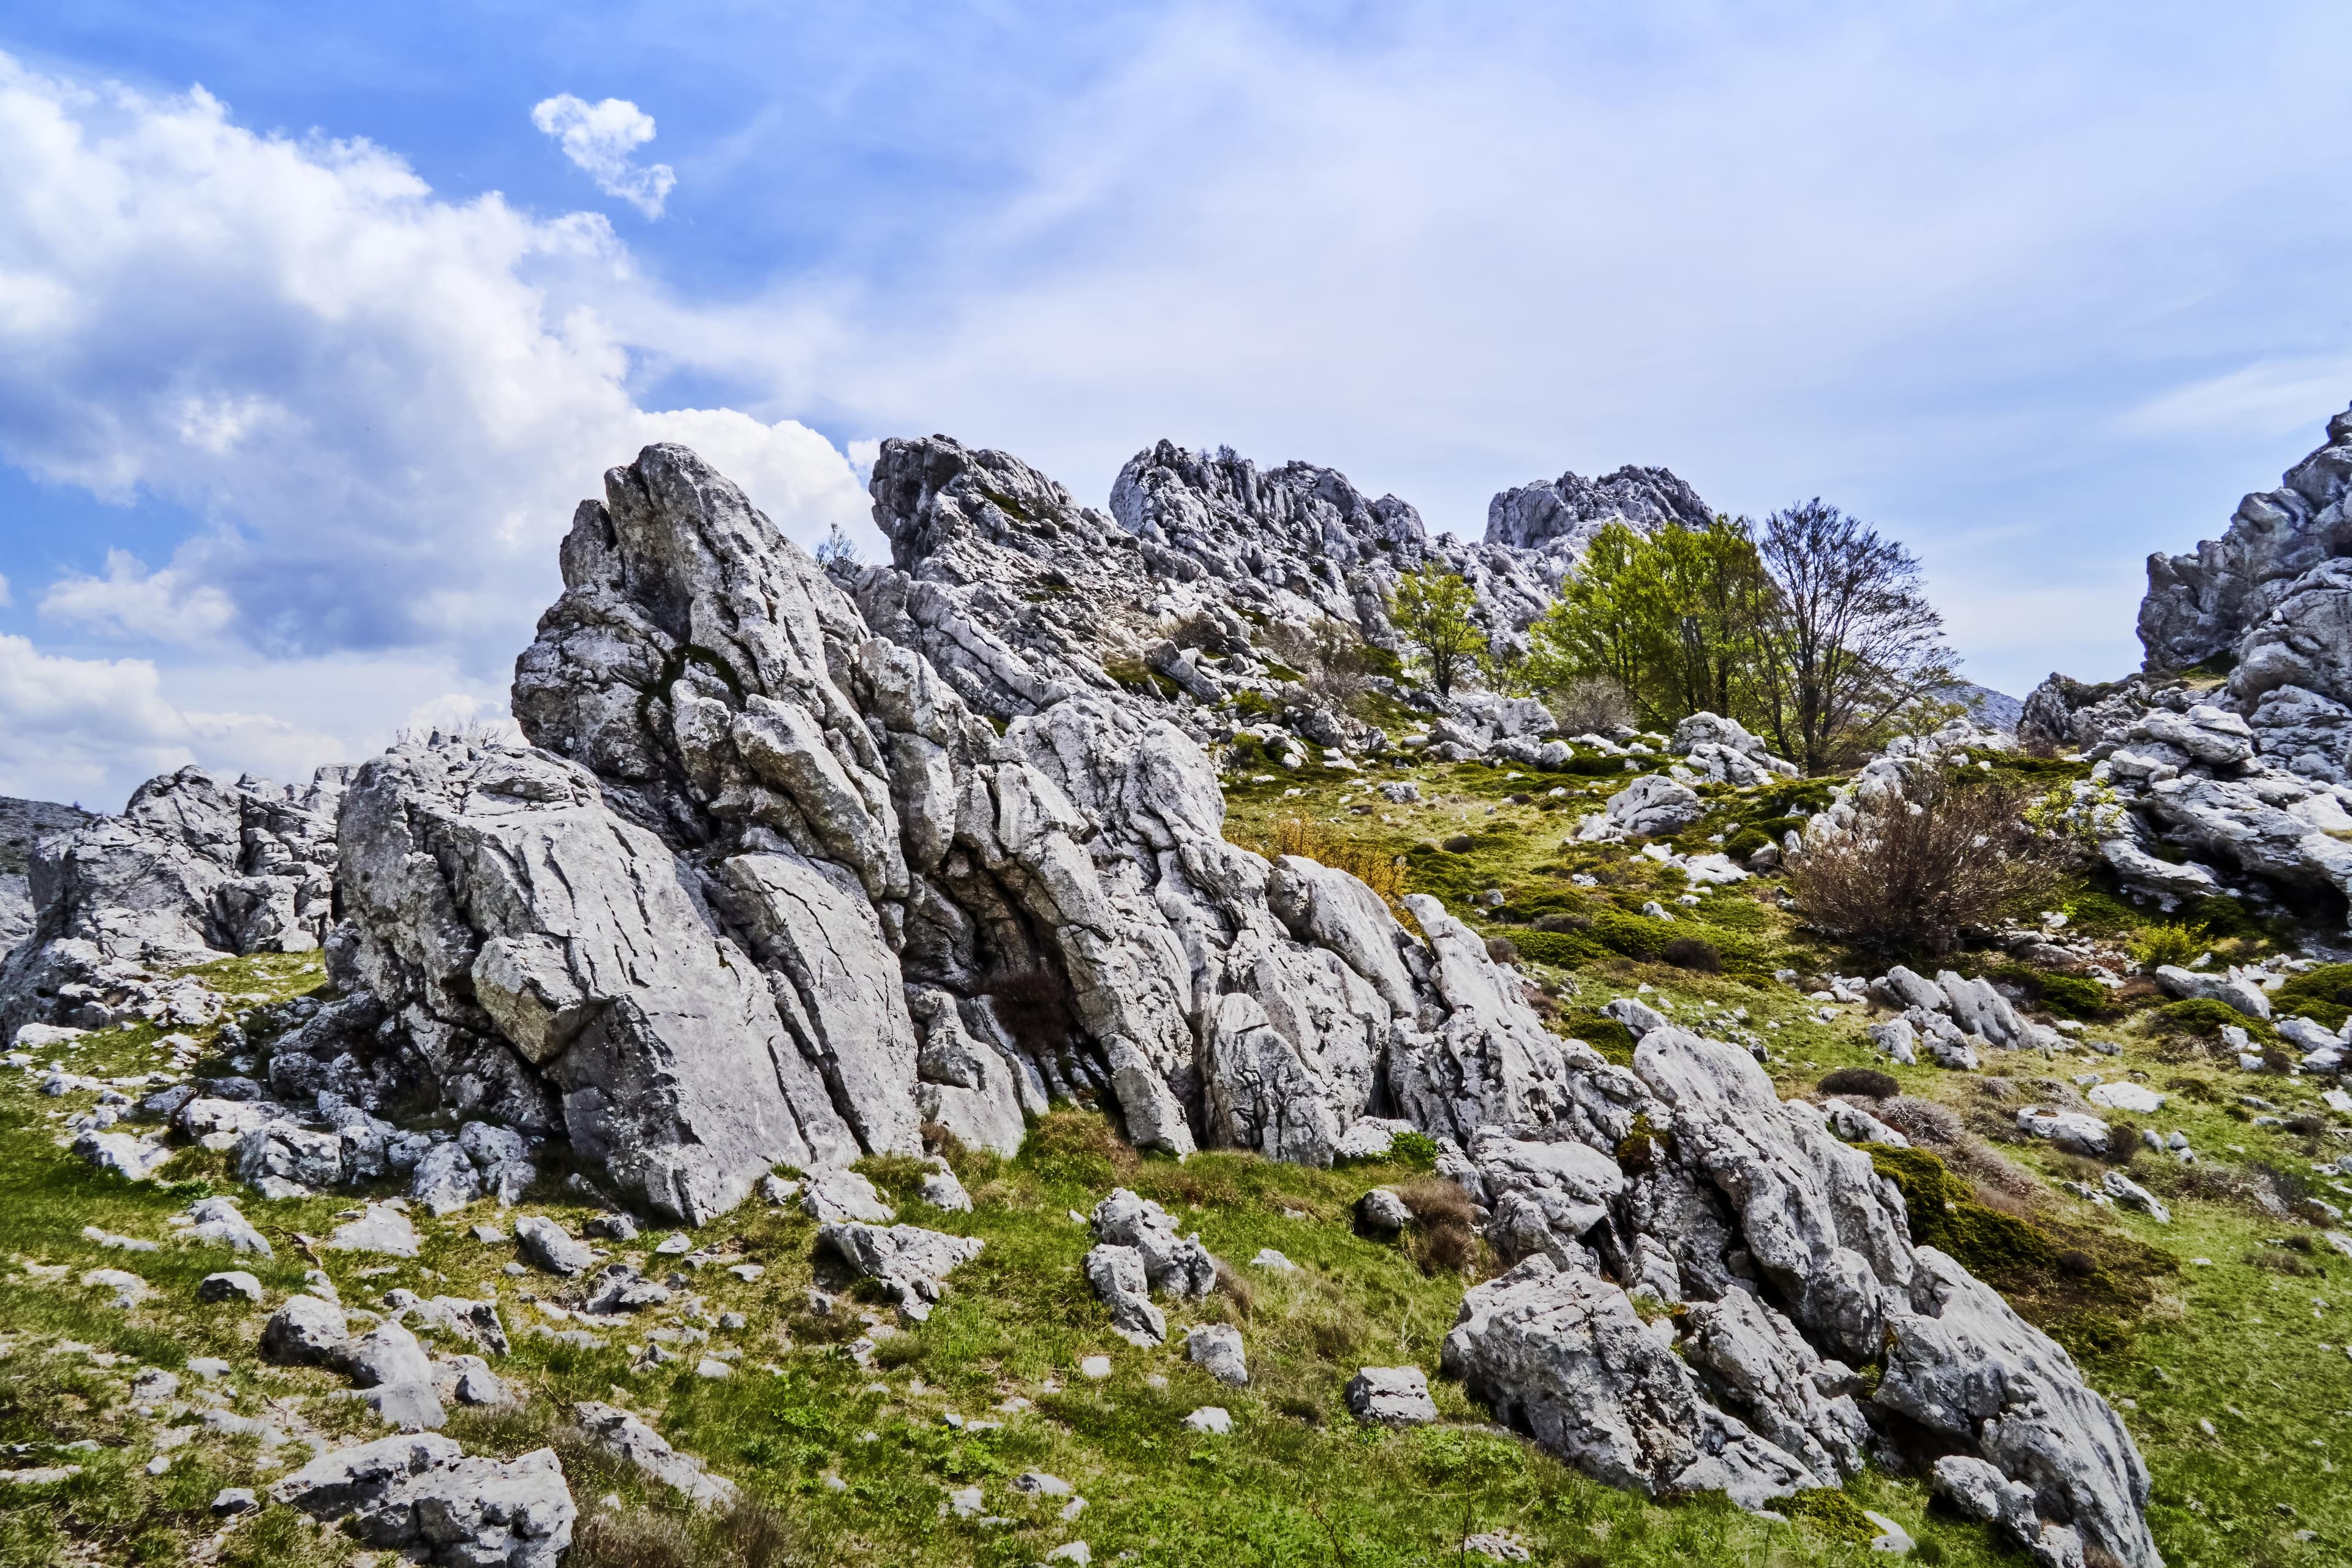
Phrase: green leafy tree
[1675,619]
[1430,609]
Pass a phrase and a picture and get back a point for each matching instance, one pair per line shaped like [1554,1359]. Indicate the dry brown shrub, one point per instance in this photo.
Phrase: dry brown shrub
[1444,1235]
[612,1538]
[1377,869]
[1915,870]
[1921,1121]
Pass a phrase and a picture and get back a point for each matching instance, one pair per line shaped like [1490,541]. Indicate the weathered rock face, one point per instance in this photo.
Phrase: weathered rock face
[794,860]
[2194,799]
[767,890]
[24,824]
[2209,603]
[1571,508]
[193,870]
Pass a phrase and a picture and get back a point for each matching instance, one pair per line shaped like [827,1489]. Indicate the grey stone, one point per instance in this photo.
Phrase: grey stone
[1559,1354]
[218,1222]
[1216,1348]
[1176,1264]
[1039,1483]
[423,1496]
[1382,1213]
[1391,1395]
[1654,805]
[835,1197]
[1118,1277]
[2076,1131]
[235,1285]
[910,1262]
[549,1246]
[2230,987]
[626,1438]
[305,1331]
[380,1230]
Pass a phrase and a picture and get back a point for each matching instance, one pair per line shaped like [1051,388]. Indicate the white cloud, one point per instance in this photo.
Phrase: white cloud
[388,403]
[385,405]
[90,728]
[134,603]
[599,138]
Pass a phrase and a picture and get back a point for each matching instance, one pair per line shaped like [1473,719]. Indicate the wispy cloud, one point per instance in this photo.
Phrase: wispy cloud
[600,138]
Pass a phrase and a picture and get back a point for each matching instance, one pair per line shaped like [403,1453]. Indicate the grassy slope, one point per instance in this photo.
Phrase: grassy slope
[856,1462]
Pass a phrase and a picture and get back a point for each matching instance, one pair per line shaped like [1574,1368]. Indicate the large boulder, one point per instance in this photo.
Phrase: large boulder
[1559,1354]
[424,1497]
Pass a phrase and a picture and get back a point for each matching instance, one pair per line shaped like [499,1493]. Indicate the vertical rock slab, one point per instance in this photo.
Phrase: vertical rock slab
[495,893]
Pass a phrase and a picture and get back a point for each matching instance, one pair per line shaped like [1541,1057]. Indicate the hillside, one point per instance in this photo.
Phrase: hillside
[657,1077]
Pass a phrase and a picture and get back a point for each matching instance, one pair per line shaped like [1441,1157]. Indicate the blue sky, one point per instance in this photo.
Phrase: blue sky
[311,332]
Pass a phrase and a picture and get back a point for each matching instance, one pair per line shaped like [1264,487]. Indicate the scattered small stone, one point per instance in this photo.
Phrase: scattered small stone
[1216,1348]
[549,1246]
[614,1226]
[379,1229]
[1211,1418]
[711,1367]
[1077,1552]
[129,1288]
[1094,1366]
[116,1243]
[671,1246]
[232,1500]
[209,1367]
[1496,1546]
[39,1476]
[234,1284]
[1267,1258]
[1038,1483]
[1392,1395]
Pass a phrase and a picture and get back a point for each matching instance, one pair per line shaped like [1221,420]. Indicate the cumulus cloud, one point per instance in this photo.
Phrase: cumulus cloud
[599,138]
[387,402]
[133,603]
[87,729]
[384,403]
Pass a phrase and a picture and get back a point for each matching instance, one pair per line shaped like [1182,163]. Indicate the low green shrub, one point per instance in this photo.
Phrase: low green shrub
[2205,1019]
[1603,1033]
[1945,1214]
[1831,1512]
[2322,995]
[1561,949]
[2154,946]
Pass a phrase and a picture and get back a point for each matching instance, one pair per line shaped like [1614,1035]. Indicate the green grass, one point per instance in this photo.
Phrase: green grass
[840,1471]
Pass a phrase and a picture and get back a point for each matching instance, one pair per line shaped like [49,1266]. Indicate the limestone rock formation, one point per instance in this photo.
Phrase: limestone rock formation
[1570,509]
[793,859]
[193,870]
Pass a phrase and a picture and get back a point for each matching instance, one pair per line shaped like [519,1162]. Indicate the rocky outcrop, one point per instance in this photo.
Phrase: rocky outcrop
[1794,1264]
[193,870]
[766,888]
[789,861]
[1570,509]
[427,1498]
[2214,600]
